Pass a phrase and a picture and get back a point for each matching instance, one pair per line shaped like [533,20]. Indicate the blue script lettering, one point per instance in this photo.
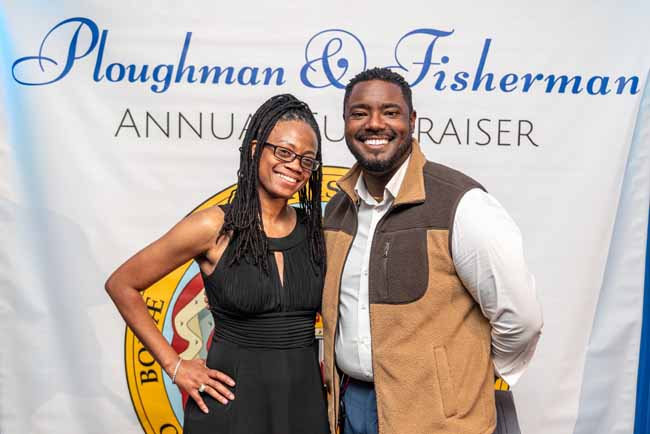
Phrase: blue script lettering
[332,57]
[332,54]
[73,54]
[161,76]
[427,60]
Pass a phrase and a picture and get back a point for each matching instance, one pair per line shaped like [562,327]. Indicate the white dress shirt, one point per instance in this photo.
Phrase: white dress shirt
[488,255]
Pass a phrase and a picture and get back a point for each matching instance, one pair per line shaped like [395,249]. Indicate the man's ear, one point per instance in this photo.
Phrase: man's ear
[412,118]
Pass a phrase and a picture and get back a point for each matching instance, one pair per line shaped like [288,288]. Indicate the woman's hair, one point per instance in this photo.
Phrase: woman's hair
[243,219]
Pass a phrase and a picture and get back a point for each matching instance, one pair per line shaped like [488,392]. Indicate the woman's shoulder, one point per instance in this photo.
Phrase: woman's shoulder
[207,225]
[208,220]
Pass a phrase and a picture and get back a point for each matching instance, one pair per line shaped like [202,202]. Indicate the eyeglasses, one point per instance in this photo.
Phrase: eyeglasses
[287,155]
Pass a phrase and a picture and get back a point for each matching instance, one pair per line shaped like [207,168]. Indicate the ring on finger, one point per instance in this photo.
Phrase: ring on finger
[202,388]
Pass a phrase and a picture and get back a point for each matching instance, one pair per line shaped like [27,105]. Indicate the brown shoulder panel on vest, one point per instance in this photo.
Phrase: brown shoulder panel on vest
[340,214]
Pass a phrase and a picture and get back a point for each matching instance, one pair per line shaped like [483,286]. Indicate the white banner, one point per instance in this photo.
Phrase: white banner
[118,119]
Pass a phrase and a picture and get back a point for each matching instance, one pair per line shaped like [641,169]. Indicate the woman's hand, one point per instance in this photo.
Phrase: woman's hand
[191,374]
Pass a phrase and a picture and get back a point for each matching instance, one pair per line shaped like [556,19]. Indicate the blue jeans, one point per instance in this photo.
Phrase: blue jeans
[360,404]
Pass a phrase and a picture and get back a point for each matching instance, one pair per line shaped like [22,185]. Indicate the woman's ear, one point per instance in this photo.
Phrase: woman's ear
[253,147]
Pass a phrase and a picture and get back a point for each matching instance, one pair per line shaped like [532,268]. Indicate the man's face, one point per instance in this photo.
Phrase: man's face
[378,125]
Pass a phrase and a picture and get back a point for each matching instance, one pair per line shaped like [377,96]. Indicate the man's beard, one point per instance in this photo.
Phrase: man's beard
[382,166]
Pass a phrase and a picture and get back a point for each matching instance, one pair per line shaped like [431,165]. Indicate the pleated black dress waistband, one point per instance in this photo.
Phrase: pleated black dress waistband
[276,330]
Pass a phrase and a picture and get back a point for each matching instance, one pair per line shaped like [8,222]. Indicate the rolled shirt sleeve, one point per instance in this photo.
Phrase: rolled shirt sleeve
[488,255]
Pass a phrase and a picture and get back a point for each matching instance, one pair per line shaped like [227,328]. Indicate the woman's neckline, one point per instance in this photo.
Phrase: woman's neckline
[291,239]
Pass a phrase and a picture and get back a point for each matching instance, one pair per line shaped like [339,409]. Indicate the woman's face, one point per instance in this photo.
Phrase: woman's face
[280,179]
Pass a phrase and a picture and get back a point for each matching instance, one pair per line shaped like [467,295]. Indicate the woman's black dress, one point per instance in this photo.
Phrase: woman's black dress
[264,340]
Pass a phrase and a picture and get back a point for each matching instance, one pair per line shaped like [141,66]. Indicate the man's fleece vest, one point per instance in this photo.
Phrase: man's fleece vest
[431,354]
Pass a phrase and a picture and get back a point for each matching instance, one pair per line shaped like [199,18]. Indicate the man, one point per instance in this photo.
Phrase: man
[427,294]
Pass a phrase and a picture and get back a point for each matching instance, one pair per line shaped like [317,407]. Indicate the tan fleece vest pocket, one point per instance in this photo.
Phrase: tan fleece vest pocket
[447,392]
[399,267]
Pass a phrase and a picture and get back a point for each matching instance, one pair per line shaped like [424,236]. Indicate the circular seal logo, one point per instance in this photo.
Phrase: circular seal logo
[177,307]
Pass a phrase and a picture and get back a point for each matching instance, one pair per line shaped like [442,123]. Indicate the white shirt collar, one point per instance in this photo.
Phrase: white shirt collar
[390,190]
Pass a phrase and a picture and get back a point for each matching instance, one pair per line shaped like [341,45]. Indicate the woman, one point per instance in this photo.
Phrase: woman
[262,263]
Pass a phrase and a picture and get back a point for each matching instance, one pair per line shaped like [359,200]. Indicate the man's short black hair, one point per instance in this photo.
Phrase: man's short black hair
[384,74]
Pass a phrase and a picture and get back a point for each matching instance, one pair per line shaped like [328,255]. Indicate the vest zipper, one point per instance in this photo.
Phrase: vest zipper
[386,249]
[384,255]
[372,347]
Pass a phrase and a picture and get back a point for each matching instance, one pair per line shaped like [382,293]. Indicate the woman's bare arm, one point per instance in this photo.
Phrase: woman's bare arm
[194,236]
